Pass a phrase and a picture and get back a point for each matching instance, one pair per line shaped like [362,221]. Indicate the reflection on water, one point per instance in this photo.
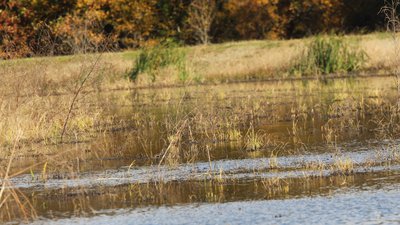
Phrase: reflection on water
[361,207]
[76,201]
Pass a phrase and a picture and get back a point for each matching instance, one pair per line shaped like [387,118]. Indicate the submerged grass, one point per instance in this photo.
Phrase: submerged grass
[253,140]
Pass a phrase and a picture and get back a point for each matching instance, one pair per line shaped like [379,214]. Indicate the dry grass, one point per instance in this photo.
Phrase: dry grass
[244,61]
[214,63]
[10,197]
[380,52]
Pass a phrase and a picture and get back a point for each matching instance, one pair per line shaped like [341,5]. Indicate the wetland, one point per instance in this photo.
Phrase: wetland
[289,151]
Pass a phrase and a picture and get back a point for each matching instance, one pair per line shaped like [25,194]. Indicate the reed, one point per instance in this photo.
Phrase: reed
[328,55]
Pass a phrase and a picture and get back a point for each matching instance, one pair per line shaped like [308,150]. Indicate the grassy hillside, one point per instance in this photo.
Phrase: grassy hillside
[234,61]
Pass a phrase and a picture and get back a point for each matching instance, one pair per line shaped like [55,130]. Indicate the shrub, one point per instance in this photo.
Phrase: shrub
[331,54]
[152,60]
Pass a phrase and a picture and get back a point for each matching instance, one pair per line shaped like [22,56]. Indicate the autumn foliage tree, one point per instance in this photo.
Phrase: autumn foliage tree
[259,19]
[124,23]
[46,27]
[14,29]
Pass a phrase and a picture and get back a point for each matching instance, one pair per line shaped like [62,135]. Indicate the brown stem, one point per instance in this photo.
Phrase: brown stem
[74,99]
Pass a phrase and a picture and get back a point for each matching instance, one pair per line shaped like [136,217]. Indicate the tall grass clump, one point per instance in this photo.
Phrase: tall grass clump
[153,60]
[329,54]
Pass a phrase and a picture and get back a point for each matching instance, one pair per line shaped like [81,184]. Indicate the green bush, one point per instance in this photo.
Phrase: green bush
[329,54]
[152,60]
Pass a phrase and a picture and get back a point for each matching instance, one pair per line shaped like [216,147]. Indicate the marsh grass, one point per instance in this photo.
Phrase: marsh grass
[153,129]
[42,101]
[234,134]
[84,77]
[253,139]
[344,166]
[330,54]
[12,198]
[153,61]
[173,153]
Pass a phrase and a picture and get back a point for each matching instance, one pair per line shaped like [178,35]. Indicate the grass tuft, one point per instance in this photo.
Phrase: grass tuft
[152,60]
[254,141]
[329,54]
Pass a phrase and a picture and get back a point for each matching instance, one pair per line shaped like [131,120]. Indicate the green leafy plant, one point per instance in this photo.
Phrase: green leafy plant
[329,54]
[151,60]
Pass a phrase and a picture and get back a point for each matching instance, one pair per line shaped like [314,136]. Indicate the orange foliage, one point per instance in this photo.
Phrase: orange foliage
[13,33]
[69,26]
[283,18]
[94,22]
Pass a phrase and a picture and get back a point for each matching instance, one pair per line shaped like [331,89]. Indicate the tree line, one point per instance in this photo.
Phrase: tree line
[57,27]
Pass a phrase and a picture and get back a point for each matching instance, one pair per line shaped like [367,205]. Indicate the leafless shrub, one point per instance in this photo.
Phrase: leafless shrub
[82,35]
[201,17]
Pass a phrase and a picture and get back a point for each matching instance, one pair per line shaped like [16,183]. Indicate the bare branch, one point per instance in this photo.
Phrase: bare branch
[201,17]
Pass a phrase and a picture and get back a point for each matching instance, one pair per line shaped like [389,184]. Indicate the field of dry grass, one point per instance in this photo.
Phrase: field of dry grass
[257,60]
[234,61]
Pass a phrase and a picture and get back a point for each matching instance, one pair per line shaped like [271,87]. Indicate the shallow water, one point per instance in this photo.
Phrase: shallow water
[376,206]
[327,150]
[289,166]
